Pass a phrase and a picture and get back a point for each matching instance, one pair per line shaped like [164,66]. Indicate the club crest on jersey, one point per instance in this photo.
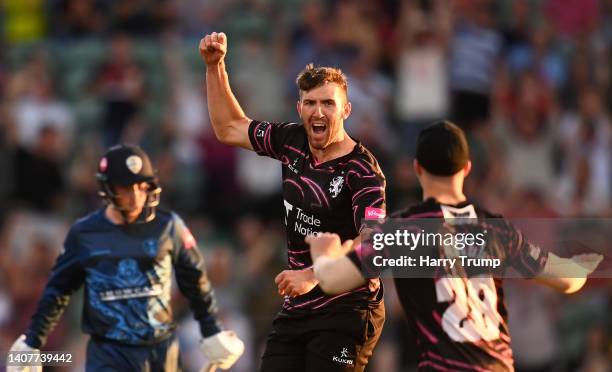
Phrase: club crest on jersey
[335,186]
[134,164]
[150,247]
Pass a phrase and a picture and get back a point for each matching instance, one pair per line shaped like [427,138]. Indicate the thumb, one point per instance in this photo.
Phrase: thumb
[310,238]
[278,278]
[222,38]
[347,246]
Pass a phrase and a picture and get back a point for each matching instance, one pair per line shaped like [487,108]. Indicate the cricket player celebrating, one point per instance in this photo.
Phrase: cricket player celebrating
[125,254]
[330,183]
[460,321]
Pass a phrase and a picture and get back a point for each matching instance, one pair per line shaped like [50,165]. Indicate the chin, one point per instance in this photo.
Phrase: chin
[319,144]
[134,214]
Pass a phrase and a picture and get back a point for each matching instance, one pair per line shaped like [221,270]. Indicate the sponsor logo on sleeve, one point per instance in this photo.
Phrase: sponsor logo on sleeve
[372,213]
[261,129]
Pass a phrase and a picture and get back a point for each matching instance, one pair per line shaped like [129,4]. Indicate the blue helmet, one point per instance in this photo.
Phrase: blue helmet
[125,165]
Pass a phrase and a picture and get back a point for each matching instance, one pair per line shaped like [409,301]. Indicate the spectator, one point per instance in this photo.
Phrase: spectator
[120,84]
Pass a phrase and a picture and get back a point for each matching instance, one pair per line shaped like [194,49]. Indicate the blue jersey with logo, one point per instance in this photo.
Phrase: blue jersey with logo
[127,274]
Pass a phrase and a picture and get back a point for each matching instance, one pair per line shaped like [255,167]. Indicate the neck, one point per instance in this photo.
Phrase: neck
[342,145]
[116,217]
[444,192]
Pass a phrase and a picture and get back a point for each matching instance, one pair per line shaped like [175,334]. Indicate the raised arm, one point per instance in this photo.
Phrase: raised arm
[229,122]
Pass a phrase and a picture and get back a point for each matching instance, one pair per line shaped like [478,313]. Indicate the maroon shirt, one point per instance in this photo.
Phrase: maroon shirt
[333,196]
[461,324]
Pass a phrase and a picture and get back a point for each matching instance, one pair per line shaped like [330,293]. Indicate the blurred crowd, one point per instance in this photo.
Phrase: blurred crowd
[529,80]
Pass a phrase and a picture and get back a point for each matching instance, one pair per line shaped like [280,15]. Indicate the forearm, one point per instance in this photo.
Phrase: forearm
[50,309]
[203,305]
[195,286]
[223,107]
[337,275]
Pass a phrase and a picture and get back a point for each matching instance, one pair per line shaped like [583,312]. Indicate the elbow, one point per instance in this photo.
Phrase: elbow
[221,133]
[231,132]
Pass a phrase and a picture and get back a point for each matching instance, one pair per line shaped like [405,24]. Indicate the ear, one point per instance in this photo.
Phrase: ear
[417,168]
[299,107]
[467,168]
[346,112]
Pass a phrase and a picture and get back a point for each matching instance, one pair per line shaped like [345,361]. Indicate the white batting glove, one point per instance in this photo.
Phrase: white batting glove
[20,346]
[222,349]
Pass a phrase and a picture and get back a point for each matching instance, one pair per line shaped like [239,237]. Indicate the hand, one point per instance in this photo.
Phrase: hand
[295,282]
[327,244]
[20,346]
[589,261]
[222,349]
[213,48]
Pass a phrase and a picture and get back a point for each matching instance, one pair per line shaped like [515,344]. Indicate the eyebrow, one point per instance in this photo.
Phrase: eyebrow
[326,100]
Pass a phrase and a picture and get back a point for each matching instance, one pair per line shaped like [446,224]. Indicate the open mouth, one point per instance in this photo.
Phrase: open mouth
[318,128]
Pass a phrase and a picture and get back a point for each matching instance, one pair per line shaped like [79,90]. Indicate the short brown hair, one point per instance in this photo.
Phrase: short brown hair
[313,77]
[442,149]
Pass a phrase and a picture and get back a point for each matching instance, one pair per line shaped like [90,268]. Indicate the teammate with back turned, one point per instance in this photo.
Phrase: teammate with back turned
[124,254]
[330,183]
[460,320]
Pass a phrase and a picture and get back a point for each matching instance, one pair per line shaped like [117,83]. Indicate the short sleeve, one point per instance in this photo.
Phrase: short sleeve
[367,185]
[527,258]
[272,139]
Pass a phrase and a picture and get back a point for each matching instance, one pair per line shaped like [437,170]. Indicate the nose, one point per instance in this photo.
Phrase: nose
[135,189]
[319,111]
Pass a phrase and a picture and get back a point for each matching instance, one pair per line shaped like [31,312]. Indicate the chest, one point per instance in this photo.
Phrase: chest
[146,246]
[315,189]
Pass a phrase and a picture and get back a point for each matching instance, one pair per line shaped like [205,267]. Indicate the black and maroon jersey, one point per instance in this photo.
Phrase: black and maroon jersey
[333,196]
[461,322]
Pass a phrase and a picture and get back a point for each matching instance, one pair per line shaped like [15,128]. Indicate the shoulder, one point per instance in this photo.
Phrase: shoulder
[485,213]
[268,137]
[363,161]
[93,222]
[166,216]
[411,211]
[425,209]
[90,221]
[259,128]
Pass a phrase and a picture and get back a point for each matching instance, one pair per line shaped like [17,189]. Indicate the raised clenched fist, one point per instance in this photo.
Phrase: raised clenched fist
[213,48]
